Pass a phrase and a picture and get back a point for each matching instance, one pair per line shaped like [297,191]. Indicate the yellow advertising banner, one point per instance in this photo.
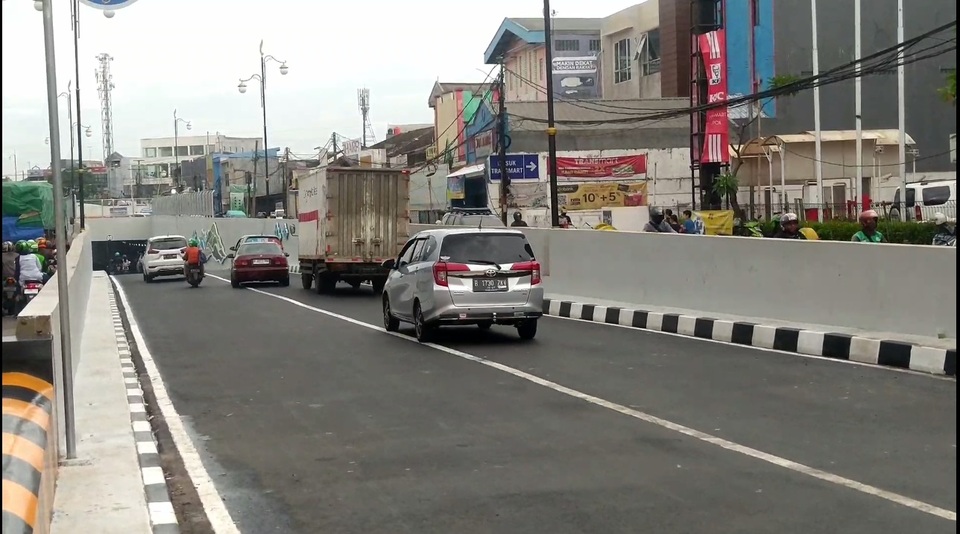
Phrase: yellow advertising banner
[716,222]
[599,195]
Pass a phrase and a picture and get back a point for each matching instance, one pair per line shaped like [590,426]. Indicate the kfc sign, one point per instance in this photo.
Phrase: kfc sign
[717,97]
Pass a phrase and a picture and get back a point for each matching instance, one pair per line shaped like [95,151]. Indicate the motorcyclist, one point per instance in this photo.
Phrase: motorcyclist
[868,229]
[45,249]
[193,256]
[946,230]
[9,261]
[789,227]
[28,265]
[518,220]
[116,263]
[658,222]
[35,250]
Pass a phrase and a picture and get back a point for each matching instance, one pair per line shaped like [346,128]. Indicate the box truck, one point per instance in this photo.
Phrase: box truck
[351,219]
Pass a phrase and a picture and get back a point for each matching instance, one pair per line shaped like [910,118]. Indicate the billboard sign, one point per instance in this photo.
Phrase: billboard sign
[716,131]
[602,169]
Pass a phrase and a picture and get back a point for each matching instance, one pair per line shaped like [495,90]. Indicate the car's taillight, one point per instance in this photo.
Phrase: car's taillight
[531,266]
[241,263]
[153,251]
[917,212]
[280,261]
[441,270]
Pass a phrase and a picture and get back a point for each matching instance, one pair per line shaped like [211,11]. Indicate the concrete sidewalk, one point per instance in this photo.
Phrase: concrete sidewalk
[102,490]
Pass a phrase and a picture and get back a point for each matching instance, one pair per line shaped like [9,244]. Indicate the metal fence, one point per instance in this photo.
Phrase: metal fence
[198,204]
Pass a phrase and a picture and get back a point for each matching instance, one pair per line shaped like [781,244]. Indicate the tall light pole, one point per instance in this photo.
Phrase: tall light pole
[858,105]
[69,96]
[901,114]
[262,78]
[818,150]
[551,128]
[176,143]
[60,237]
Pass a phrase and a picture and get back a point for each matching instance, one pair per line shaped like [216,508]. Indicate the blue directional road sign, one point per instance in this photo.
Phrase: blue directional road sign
[519,167]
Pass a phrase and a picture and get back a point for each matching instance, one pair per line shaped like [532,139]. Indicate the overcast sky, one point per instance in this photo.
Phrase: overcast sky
[189,55]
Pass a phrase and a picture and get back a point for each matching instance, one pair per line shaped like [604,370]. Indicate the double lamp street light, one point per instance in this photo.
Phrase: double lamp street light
[176,146]
[262,79]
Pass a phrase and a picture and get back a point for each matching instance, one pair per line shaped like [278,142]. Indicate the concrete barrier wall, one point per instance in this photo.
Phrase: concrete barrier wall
[905,289]
[40,320]
[30,454]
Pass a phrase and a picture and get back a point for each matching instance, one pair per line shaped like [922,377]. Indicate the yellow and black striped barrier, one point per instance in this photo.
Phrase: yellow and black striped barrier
[29,454]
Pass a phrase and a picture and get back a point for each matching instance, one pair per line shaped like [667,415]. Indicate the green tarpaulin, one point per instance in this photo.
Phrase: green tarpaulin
[30,202]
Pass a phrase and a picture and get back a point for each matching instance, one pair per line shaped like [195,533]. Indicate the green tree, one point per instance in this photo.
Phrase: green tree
[949,91]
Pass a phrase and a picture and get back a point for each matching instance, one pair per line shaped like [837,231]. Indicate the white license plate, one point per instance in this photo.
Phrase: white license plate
[169,256]
[261,262]
[30,291]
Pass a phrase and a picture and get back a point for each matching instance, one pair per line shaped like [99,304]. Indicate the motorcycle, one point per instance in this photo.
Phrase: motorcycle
[194,275]
[29,291]
[10,291]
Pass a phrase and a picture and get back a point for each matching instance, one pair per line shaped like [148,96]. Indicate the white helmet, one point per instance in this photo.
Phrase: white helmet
[939,218]
[788,218]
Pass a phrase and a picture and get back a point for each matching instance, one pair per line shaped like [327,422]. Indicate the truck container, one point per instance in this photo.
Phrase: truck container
[351,219]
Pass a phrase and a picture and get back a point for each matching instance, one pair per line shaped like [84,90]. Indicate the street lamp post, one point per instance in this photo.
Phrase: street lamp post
[176,143]
[60,237]
[69,98]
[262,78]
[551,126]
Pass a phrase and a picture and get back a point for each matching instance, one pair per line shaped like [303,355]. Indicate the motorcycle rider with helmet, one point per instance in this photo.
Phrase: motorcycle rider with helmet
[946,235]
[868,229]
[28,264]
[789,227]
[9,261]
[658,222]
[193,256]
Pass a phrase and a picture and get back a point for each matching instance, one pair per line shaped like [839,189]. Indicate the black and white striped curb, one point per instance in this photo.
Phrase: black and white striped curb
[810,342]
[295,269]
[163,519]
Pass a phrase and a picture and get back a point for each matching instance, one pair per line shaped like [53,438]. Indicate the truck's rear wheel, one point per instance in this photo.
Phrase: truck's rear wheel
[378,285]
[326,284]
[306,280]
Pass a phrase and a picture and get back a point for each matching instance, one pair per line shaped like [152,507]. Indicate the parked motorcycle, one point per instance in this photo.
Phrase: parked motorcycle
[10,292]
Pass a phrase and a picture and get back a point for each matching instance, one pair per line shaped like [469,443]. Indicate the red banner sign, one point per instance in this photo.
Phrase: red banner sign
[615,168]
[716,132]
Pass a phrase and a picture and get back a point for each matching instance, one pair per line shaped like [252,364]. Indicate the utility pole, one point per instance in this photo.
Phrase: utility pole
[78,173]
[502,142]
[251,189]
[286,185]
[551,129]
[333,142]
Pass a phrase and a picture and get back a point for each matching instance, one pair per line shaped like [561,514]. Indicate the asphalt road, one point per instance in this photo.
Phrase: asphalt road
[313,424]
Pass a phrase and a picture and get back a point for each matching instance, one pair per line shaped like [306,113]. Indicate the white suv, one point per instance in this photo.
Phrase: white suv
[163,257]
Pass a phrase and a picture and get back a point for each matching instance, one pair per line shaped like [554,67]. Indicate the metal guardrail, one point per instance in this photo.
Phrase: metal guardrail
[198,204]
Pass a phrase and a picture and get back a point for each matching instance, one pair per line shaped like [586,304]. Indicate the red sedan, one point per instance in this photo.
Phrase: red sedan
[262,261]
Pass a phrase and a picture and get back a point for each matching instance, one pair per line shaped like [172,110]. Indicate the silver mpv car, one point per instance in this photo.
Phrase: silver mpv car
[464,276]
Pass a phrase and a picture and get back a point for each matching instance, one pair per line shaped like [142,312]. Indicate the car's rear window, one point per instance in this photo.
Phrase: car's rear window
[168,243]
[481,221]
[263,247]
[486,247]
[936,196]
[261,239]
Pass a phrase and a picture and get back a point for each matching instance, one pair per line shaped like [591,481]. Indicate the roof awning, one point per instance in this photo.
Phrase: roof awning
[468,171]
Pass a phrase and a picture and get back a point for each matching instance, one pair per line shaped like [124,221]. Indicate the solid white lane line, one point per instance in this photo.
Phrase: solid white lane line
[212,502]
[669,425]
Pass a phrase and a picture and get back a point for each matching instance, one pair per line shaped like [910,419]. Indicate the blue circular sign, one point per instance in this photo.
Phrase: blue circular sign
[107,4]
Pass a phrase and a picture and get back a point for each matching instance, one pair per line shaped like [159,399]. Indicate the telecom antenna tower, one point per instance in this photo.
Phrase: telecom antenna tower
[363,100]
[104,88]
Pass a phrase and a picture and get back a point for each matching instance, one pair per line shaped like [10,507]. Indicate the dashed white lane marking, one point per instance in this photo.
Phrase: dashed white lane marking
[652,419]
[216,510]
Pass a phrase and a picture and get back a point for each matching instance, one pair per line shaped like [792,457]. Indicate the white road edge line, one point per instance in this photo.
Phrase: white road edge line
[210,499]
[765,349]
[669,425]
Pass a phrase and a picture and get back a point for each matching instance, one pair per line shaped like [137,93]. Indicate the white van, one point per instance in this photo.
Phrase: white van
[926,198]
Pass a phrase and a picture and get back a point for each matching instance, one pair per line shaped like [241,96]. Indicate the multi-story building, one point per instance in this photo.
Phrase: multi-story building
[451,103]
[630,45]
[159,155]
[519,45]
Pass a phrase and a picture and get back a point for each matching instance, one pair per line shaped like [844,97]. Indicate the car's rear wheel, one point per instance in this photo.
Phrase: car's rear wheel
[306,281]
[234,283]
[423,331]
[285,282]
[390,323]
[527,329]
[147,278]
